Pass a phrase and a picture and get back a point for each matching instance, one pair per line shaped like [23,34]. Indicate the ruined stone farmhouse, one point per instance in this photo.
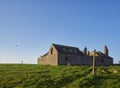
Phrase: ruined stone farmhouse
[67,55]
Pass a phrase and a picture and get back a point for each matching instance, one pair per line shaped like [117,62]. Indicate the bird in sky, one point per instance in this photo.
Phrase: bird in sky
[16,45]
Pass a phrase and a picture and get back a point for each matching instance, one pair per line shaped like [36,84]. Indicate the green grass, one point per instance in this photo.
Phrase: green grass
[38,76]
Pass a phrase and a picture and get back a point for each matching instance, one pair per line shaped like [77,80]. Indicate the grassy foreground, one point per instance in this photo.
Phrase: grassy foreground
[37,76]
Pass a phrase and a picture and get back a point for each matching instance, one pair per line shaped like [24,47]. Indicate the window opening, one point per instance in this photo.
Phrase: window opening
[66,58]
[102,61]
[52,51]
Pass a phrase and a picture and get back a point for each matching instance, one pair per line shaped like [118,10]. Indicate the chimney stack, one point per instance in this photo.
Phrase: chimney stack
[105,50]
[85,51]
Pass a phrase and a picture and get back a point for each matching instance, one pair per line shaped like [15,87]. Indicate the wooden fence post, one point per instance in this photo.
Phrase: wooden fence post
[93,65]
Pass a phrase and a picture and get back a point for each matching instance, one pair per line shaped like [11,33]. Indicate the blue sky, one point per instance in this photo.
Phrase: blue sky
[33,25]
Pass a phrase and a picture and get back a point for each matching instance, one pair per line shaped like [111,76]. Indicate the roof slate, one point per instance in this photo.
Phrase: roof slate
[67,49]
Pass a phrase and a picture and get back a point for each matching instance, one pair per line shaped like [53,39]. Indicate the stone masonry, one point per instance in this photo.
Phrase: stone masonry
[67,55]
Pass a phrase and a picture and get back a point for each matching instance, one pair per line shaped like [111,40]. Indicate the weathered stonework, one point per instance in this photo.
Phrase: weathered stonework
[48,58]
[66,55]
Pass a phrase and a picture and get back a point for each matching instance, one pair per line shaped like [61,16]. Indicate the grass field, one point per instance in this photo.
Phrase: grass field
[37,76]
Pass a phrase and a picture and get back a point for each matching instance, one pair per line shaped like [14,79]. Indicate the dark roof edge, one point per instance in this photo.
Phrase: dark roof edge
[44,54]
[64,45]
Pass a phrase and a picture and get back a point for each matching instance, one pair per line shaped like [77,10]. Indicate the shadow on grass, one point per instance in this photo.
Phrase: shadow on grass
[100,82]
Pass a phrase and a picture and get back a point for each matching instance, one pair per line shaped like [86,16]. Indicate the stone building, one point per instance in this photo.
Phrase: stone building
[67,55]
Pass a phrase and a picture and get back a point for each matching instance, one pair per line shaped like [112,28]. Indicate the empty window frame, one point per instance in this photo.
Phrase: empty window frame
[102,60]
[51,51]
[66,58]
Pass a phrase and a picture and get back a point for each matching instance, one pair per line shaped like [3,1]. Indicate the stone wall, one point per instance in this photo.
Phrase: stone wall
[67,59]
[99,61]
[104,61]
[50,58]
[55,58]
[87,60]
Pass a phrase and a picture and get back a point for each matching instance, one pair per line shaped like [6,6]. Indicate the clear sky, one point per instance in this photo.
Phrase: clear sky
[29,27]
